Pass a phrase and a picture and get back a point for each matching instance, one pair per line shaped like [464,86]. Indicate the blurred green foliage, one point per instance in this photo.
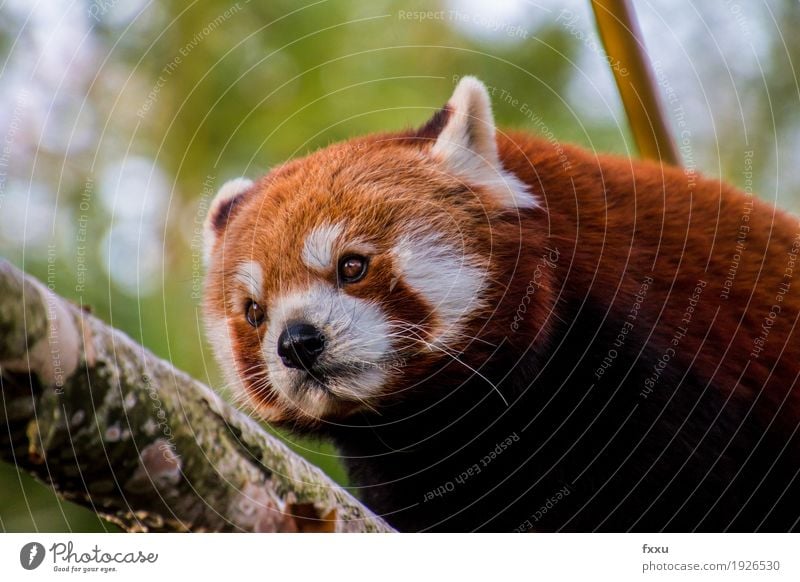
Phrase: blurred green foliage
[207,91]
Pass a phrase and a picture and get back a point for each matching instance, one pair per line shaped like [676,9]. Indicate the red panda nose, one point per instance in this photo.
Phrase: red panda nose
[299,345]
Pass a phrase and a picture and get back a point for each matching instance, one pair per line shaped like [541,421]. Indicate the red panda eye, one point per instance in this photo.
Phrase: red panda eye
[352,268]
[254,313]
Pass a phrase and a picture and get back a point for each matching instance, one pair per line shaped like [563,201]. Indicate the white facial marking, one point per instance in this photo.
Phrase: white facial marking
[218,335]
[468,148]
[319,246]
[251,276]
[357,346]
[449,279]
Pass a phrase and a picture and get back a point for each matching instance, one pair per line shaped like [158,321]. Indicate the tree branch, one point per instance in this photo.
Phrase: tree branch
[619,31]
[112,427]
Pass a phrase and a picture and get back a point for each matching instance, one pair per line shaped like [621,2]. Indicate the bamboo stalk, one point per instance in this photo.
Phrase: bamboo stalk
[619,31]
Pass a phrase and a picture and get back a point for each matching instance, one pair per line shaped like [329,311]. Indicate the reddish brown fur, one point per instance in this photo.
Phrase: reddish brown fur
[636,217]
[618,219]
[371,184]
[613,220]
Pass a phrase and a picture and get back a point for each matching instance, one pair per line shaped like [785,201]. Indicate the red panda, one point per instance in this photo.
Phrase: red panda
[502,333]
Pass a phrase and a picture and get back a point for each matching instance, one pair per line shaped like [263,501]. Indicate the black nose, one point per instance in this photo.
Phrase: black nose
[300,345]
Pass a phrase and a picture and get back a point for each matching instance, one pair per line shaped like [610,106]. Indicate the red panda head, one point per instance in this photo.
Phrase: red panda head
[337,280]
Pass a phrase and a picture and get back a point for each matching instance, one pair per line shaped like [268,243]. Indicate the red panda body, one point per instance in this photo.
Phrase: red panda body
[564,341]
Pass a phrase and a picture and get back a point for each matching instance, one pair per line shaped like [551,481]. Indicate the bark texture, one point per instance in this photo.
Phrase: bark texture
[110,426]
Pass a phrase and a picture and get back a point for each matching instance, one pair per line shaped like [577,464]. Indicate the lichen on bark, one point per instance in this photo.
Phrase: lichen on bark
[110,426]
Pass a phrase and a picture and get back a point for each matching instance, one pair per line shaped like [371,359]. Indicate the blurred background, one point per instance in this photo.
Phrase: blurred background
[120,119]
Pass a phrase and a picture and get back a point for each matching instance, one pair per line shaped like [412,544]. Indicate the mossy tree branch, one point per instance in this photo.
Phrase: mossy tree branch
[110,426]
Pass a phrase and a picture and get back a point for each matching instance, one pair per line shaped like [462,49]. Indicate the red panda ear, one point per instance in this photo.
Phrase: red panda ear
[222,208]
[466,145]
